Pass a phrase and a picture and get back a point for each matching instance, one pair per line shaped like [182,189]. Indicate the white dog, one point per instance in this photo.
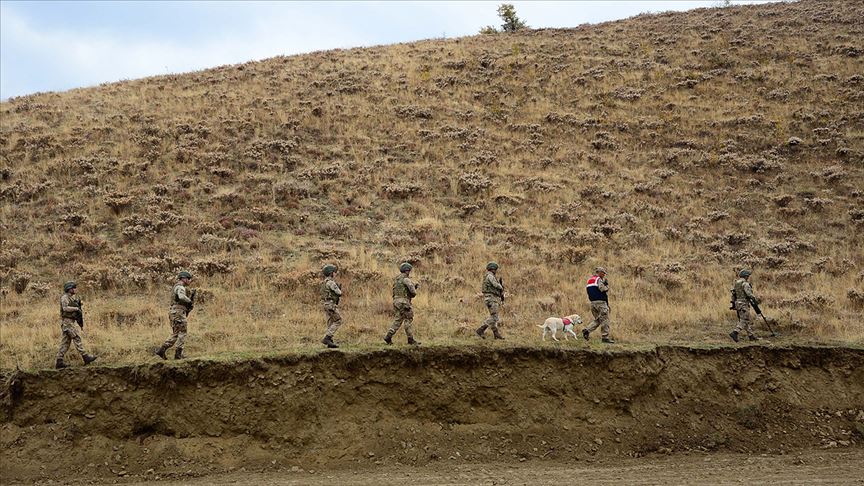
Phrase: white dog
[555,324]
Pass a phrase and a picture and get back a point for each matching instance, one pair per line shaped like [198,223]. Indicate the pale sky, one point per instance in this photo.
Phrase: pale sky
[55,46]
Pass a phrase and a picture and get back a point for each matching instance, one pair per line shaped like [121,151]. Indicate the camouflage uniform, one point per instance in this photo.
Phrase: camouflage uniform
[70,306]
[330,295]
[743,296]
[181,304]
[403,291]
[493,296]
[597,290]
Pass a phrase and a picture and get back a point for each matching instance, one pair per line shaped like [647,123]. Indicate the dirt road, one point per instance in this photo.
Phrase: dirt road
[807,467]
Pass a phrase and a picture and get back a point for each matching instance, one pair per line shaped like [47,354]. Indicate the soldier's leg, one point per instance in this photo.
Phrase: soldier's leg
[79,345]
[494,318]
[595,312]
[64,345]
[603,320]
[397,320]
[179,329]
[408,320]
[334,320]
[743,311]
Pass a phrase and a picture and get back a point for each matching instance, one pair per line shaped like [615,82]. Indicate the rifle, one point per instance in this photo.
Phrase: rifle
[501,282]
[759,313]
[192,298]
[79,318]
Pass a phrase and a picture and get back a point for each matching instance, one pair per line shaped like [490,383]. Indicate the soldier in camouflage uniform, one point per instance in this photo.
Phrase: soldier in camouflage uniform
[71,316]
[493,296]
[330,295]
[182,302]
[403,291]
[743,295]
[598,290]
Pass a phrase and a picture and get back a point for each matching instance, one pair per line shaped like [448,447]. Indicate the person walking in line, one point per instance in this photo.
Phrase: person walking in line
[404,289]
[598,295]
[743,296]
[330,296]
[182,302]
[71,318]
[493,297]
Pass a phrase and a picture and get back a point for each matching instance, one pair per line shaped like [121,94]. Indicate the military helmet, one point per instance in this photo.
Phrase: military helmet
[600,270]
[745,273]
[405,267]
[328,269]
[184,274]
[69,286]
[491,266]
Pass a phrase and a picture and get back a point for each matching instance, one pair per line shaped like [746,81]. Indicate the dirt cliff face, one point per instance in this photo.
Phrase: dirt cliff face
[413,407]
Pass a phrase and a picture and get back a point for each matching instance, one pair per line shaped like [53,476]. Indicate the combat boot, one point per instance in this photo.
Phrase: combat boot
[481,331]
[88,358]
[497,334]
[161,352]
[585,334]
[328,341]
[178,353]
[413,342]
[60,364]
[608,340]
[734,336]
[389,337]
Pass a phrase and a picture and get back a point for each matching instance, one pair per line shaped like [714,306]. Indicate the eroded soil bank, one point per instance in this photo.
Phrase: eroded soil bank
[415,407]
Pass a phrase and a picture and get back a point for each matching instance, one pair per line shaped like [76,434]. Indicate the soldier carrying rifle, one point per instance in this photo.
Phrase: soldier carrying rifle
[71,314]
[742,298]
[182,302]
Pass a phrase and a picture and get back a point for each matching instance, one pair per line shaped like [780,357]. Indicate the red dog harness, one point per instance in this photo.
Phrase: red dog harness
[566,321]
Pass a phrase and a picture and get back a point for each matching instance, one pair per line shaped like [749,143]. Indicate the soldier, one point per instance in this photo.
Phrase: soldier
[743,294]
[70,316]
[493,296]
[182,301]
[598,289]
[403,291]
[330,295]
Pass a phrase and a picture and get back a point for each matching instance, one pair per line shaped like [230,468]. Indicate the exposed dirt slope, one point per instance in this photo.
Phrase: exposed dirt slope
[413,407]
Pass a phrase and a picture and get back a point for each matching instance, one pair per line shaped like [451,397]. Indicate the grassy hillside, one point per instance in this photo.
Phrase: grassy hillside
[674,149]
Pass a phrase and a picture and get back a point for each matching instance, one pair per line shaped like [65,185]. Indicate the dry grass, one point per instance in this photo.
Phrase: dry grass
[658,146]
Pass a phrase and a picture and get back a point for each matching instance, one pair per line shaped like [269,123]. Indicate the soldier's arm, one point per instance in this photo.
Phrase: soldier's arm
[181,295]
[334,287]
[411,286]
[494,281]
[748,291]
[66,304]
[603,285]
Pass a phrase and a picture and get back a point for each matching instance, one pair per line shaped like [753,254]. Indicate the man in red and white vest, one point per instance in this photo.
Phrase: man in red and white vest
[598,289]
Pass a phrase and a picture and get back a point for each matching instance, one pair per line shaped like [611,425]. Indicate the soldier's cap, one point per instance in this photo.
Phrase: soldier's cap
[491,266]
[69,286]
[745,273]
[184,274]
[405,267]
[328,269]
[600,270]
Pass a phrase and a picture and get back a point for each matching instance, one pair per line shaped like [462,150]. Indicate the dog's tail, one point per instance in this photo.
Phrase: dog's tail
[542,325]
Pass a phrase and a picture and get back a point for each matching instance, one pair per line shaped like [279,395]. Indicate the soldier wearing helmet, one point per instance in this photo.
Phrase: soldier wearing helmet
[70,319]
[493,297]
[598,290]
[330,296]
[743,296]
[403,291]
[182,302]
